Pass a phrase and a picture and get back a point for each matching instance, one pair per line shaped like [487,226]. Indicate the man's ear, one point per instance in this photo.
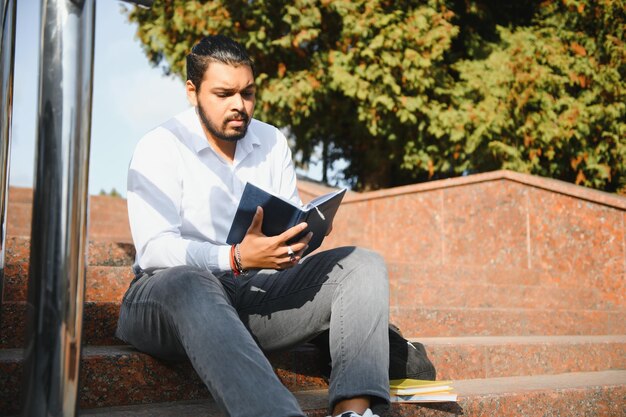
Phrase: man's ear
[191,93]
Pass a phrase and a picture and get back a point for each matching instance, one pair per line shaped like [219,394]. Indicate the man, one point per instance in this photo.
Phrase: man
[221,306]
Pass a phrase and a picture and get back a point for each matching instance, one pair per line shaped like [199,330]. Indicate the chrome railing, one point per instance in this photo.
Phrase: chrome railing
[7,59]
[59,233]
[60,203]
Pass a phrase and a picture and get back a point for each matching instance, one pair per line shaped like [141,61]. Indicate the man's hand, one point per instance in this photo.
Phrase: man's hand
[260,251]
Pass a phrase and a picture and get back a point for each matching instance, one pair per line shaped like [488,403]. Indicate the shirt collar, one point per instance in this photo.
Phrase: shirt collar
[199,141]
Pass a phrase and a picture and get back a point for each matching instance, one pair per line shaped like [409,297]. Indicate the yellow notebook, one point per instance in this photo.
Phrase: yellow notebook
[437,397]
[415,383]
[415,390]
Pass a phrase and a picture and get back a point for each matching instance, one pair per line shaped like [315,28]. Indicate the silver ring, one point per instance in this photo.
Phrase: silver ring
[291,253]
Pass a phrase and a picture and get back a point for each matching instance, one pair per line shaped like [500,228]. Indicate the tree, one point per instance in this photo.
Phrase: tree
[360,77]
[549,99]
[408,91]
[112,193]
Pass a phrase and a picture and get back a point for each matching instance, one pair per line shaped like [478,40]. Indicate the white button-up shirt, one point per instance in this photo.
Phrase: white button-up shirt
[182,196]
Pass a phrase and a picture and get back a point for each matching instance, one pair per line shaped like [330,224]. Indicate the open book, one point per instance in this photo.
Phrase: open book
[280,214]
[419,391]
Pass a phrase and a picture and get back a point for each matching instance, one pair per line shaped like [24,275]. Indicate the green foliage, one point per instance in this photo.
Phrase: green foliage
[550,99]
[413,90]
[112,193]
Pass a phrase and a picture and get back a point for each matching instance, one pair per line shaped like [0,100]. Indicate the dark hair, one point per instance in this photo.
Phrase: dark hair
[215,48]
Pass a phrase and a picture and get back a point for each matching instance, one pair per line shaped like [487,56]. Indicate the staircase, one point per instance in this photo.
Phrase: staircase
[515,285]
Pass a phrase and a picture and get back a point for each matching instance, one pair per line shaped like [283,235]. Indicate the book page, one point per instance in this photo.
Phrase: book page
[322,199]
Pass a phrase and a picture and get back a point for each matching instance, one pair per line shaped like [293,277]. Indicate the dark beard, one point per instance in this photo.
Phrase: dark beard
[220,134]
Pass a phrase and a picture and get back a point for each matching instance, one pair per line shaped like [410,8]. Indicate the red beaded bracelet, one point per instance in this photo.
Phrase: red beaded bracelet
[233,262]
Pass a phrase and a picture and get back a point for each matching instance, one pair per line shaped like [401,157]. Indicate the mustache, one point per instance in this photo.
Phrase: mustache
[237,116]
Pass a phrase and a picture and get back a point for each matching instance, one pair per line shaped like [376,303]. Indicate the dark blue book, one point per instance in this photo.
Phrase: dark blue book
[280,214]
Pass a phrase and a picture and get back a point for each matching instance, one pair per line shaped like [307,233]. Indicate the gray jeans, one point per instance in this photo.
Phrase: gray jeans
[224,323]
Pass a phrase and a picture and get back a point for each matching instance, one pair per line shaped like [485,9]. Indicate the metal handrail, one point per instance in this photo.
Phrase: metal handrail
[59,224]
[7,62]
[60,204]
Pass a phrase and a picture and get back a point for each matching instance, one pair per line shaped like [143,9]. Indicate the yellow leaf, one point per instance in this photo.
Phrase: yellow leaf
[281,69]
[578,49]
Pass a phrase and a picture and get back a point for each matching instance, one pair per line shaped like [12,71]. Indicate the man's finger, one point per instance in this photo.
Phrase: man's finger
[292,232]
[300,253]
[257,221]
[300,246]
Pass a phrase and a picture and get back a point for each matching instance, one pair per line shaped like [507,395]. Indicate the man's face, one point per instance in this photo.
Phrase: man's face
[225,100]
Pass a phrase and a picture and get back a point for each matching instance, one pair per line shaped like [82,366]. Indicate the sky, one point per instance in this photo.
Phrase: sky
[130,97]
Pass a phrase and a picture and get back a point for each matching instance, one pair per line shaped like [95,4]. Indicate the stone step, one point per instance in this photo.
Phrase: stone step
[99,323]
[411,283]
[478,295]
[492,321]
[19,218]
[108,219]
[110,374]
[120,375]
[109,284]
[99,252]
[107,252]
[499,356]
[103,283]
[598,394]
[100,320]
[602,291]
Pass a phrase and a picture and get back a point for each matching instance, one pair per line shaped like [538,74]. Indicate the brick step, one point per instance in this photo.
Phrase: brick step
[109,374]
[100,320]
[598,394]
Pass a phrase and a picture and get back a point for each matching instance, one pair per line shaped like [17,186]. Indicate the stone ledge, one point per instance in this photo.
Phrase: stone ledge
[549,184]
